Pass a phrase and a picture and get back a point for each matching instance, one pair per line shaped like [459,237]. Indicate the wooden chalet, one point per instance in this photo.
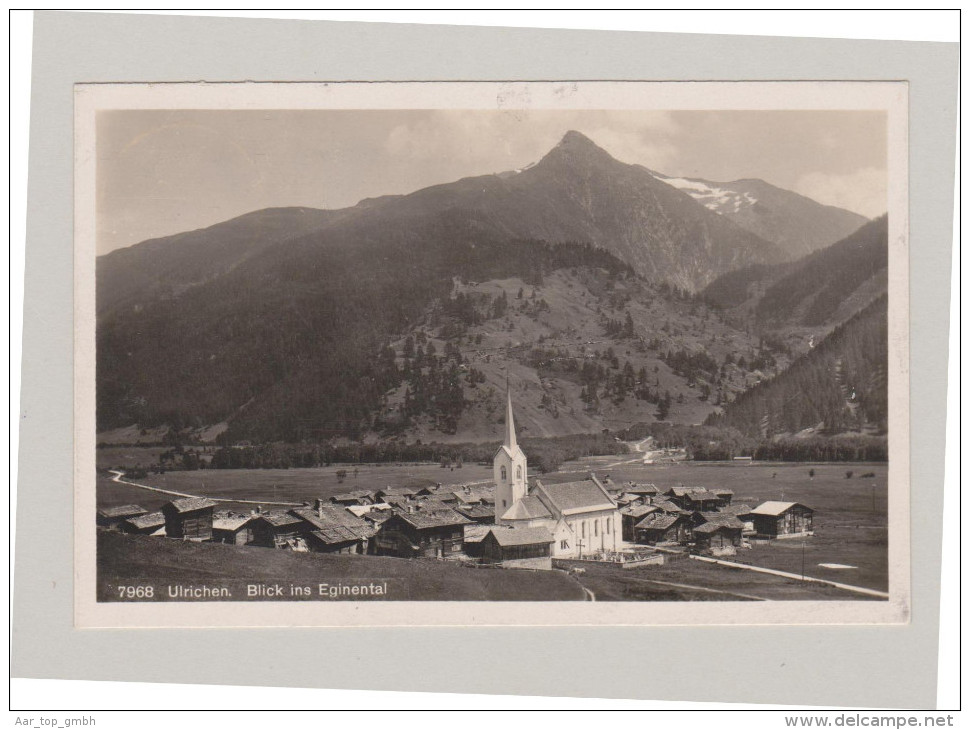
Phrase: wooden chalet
[520,547]
[724,496]
[693,499]
[232,528]
[112,517]
[658,528]
[340,539]
[781,519]
[152,523]
[189,518]
[719,533]
[278,530]
[421,533]
[630,516]
[334,529]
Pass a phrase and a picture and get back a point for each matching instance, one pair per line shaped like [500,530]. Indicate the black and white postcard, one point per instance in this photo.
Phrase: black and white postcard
[524,353]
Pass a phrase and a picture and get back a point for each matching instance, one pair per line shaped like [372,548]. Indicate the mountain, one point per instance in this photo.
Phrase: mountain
[838,387]
[798,225]
[402,316]
[576,193]
[823,288]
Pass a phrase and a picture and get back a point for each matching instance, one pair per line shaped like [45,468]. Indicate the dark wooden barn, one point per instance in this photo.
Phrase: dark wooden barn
[658,528]
[232,528]
[278,529]
[152,523]
[428,534]
[781,519]
[719,533]
[521,547]
[189,518]
[112,517]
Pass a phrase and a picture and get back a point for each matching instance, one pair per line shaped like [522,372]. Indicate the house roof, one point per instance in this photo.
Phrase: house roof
[191,504]
[340,533]
[421,520]
[327,516]
[711,527]
[473,511]
[640,510]
[657,522]
[665,505]
[642,489]
[739,508]
[691,492]
[719,519]
[773,509]
[527,508]
[719,491]
[349,496]
[280,519]
[229,520]
[125,510]
[477,532]
[359,510]
[146,521]
[571,497]
[522,536]
[470,496]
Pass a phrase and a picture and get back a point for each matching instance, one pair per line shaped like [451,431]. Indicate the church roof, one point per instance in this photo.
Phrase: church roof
[572,497]
[527,508]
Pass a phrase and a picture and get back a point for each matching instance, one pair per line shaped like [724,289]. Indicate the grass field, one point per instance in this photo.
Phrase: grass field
[692,580]
[298,485]
[126,560]
[850,515]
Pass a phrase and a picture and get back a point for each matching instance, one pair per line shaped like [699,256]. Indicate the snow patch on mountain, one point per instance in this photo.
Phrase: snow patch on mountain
[720,200]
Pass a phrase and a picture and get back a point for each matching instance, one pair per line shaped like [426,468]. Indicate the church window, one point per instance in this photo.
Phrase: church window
[596,528]
[584,529]
[505,474]
[518,472]
[564,544]
[609,522]
[503,502]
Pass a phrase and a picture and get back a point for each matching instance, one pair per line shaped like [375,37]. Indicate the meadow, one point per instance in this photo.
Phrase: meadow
[850,514]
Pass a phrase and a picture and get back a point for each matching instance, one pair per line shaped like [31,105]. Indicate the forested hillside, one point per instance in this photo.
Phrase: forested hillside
[814,290]
[839,386]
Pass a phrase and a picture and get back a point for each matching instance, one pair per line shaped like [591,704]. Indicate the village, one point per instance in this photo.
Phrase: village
[515,522]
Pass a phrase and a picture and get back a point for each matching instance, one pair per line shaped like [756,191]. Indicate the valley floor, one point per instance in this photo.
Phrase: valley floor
[850,544]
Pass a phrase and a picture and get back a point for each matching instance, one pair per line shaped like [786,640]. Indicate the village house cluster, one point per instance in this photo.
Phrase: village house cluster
[515,522]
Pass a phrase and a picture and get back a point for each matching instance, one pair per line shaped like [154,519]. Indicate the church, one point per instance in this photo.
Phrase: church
[581,517]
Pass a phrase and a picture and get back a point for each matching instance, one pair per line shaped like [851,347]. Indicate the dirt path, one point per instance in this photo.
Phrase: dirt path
[793,576]
[117,478]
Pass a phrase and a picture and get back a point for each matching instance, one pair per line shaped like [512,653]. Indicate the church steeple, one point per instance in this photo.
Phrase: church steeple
[509,467]
[509,422]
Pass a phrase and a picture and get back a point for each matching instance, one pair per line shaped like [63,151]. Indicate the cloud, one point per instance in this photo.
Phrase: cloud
[862,191]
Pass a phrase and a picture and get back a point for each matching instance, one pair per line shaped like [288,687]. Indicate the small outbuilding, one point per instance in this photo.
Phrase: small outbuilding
[781,519]
[520,547]
[232,528]
[112,517]
[189,518]
[658,529]
[152,523]
[718,534]
[278,530]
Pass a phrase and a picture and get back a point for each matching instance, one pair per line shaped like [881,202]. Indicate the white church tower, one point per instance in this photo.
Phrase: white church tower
[509,468]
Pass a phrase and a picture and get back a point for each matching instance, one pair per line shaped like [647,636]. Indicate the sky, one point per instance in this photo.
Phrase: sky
[161,172]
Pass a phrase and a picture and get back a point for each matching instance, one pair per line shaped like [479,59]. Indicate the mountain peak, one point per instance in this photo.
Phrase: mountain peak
[577,146]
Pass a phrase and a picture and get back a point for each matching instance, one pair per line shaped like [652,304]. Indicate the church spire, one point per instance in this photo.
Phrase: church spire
[509,423]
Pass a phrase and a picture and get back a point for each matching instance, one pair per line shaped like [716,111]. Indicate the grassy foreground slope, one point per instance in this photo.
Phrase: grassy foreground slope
[126,560]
